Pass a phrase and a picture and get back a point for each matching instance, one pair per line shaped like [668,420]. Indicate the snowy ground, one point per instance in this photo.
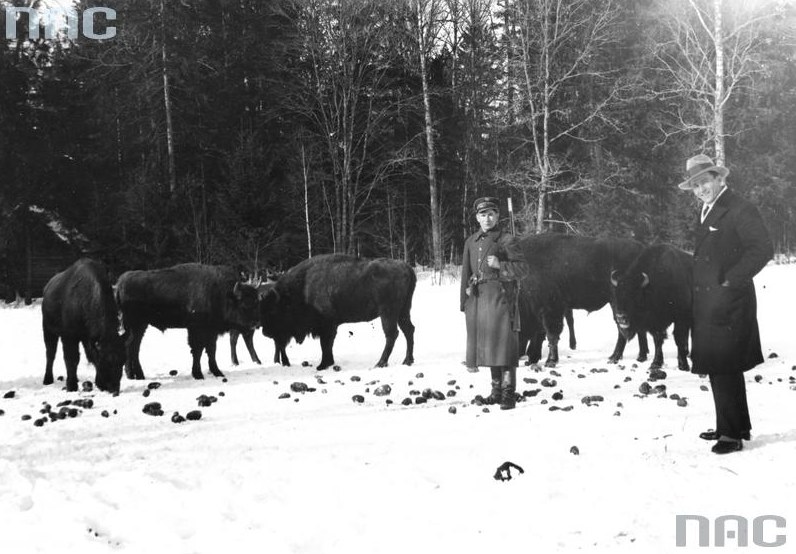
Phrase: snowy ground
[318,473]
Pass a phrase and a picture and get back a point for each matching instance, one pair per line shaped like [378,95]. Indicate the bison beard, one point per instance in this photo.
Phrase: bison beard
[206,300]
[320,293]
[78,307]
[653,293]
[570,272]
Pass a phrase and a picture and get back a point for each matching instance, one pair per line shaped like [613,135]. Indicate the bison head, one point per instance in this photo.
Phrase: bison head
[283,317]
[110,357]
[273,311]
[242,309]
[627,293]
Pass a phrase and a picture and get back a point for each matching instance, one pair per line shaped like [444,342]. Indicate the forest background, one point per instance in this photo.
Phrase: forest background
[259,132]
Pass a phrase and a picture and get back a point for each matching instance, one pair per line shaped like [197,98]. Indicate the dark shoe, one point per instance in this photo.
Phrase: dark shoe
[509,385]
[712,435]
[726,447]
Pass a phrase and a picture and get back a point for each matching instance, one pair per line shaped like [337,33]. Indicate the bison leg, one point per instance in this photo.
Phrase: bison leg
[552,351]
[280,353]
[210,348]
[619,349]
[390,327]
[51,347]
[553,326]
[573,342]
[233,343]
[643,347]
[71,359]
[657,340]
[248,338]
[92,355]
[405,323]
[681,331]
[132,366]
[196,341]
[534,350]
[327,335]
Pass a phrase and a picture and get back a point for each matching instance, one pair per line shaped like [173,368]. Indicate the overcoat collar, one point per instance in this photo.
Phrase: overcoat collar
[714,216]
[493,233]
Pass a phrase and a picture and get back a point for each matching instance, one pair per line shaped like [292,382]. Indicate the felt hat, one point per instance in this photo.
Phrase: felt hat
[699,165]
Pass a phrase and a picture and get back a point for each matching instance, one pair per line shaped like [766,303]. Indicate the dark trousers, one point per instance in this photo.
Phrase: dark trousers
[732,411]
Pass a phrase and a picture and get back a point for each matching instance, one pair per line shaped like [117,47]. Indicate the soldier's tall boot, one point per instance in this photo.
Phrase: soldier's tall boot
[496,396]
[509,387]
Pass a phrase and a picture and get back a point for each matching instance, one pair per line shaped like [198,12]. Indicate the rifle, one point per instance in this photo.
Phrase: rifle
[515,316]
[511,218]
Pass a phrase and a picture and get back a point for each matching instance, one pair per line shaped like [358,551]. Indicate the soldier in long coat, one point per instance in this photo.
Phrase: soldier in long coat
[731,246]
[492,265]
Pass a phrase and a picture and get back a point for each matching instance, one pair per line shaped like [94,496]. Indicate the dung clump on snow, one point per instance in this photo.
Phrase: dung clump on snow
[206,401]
[153,409]
[589,400]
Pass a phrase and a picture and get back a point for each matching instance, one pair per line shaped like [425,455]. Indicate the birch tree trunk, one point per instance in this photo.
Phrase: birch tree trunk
[172,166]
[306,201]
[718,99]
[424,21]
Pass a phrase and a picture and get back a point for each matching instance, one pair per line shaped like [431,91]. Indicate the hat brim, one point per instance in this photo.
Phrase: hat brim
[688,184]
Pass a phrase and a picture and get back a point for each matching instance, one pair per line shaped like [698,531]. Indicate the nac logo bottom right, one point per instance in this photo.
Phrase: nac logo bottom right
[732,530]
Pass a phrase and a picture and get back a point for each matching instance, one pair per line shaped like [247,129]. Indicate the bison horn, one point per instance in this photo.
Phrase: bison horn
[236,288]
[645,280]
[614,280]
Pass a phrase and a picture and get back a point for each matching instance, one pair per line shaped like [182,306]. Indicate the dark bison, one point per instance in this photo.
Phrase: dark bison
[571,272]
[78,307]
[280,342]
[204,299]
[653,293]
[320,293]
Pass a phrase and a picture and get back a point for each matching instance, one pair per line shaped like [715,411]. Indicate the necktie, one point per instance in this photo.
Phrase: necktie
[705,210]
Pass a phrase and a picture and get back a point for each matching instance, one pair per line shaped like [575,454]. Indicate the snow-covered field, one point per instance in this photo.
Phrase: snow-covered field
[319,473]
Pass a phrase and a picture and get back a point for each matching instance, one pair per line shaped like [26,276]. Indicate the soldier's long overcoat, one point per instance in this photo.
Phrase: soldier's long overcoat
[490,310]
[731,247]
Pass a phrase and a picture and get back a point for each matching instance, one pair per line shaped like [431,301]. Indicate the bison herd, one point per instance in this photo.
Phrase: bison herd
[648,289]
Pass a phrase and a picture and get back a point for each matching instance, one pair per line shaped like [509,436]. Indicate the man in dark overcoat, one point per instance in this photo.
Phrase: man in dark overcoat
[492,265]
[731,246]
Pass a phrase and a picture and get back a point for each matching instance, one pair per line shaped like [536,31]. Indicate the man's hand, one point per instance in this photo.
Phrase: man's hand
[493,262]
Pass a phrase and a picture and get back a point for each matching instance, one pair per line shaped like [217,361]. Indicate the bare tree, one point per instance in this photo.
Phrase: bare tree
[428,21]
[559,46]
[705,52]
[346,102]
